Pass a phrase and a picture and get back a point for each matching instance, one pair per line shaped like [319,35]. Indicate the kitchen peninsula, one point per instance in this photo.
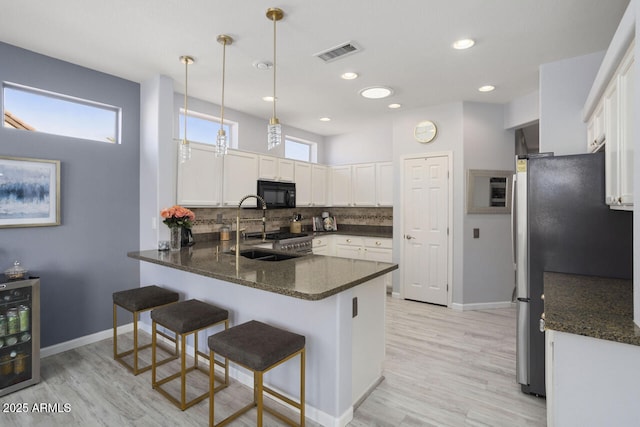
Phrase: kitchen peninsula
[337,303]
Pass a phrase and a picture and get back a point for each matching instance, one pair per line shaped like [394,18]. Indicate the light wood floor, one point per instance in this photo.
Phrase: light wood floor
[443,368]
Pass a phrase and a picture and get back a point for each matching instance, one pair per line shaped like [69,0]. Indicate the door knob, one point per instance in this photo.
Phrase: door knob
[408,237]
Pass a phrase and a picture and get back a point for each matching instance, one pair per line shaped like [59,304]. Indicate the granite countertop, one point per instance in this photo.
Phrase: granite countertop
[364,231]
[309,277]
[597,307]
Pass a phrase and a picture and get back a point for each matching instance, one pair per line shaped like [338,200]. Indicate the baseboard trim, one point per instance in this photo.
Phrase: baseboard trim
[482,305]
[79,342]
[395,295]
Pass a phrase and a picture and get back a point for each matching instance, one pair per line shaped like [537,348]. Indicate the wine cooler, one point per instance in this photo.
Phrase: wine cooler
[19,334]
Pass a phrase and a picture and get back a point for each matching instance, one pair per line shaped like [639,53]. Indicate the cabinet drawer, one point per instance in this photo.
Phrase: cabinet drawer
[349,240]
[372,242]
[319,242]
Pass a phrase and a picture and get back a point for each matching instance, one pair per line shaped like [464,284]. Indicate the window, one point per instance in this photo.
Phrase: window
[41,111]
[298,149]
[204,128]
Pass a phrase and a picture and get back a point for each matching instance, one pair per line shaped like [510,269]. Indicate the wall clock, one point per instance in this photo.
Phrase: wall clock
[425,131]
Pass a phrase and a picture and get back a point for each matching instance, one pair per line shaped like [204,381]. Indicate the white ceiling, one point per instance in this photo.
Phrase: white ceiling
[406,44]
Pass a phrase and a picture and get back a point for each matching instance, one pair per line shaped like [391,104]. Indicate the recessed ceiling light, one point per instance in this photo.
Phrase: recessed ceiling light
[263,65]
[486,88]
[463,44]
[325,119]
[394,106]
[349,75]
[376,92]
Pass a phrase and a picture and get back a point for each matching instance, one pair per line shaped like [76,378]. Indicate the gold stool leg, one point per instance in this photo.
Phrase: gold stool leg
[153,354]
[258,394]
[302,386]
[183,373]
[115,331]
[135,342]
[212,369]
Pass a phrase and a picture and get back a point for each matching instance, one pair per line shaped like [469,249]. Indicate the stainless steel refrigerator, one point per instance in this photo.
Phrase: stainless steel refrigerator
[560,224]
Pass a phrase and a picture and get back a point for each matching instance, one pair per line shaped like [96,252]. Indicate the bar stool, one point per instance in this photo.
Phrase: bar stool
[258,347]
[136,301]
[186,318]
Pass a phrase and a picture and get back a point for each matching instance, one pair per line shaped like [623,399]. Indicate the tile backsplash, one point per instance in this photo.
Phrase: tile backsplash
[210,220]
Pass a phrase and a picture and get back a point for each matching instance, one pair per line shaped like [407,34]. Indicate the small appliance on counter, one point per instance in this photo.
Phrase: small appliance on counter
[325,223]
[296,224]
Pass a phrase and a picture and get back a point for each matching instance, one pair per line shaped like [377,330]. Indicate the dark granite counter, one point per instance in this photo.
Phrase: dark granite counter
[597,307]
[310,277]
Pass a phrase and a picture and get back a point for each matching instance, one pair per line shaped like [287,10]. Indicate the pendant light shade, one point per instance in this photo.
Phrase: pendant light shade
[221,140]
[185,149]
[274,131]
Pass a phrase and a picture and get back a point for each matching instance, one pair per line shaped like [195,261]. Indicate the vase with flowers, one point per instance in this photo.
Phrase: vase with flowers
[177,218]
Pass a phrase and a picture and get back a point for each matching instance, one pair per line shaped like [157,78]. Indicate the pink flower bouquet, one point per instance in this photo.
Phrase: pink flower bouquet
[177,216]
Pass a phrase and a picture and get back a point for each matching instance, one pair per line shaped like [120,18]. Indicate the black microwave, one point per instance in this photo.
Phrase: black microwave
[277,195]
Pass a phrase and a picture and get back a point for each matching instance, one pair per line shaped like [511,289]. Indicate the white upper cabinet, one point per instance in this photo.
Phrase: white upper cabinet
[619,129]
[240,177]
[302,174]
[340,188]
[364,184]
[199,178]
[384,184]
[319,177]
[275,168]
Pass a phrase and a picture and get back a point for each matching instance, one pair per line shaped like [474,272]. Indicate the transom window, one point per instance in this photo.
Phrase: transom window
[299,149]
[204,128]
[37,110]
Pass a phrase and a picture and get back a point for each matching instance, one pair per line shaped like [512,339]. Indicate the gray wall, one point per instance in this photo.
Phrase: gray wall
[82,261]
[564,87]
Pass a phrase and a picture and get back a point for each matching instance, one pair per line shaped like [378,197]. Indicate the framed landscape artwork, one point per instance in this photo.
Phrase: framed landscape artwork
[29,192]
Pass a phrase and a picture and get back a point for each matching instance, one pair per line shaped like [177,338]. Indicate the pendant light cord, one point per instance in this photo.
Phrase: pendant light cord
[274,65]
[186,82]
[224,56]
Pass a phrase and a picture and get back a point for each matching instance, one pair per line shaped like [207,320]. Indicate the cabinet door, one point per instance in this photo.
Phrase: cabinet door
[340,189]
[384,184]
[595,129]
[348,246]
[613,144]
[240,177]
[626,96]
[268,167]
[318,185]
[199,179]
[286,170]
[302,174]
[364,184]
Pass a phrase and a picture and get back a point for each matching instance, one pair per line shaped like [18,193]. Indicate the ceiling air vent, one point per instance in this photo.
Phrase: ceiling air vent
[338,52]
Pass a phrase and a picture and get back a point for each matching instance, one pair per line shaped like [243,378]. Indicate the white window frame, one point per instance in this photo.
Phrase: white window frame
[313,147]
[232,137]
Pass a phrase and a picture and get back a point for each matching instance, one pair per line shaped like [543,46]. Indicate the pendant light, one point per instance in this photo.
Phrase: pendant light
[185,149]
[221,139]
[274,131]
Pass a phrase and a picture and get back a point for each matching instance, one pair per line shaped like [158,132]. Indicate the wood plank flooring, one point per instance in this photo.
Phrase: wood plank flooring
[443,368]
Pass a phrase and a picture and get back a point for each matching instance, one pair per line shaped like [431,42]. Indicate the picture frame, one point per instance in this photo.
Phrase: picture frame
[29,192]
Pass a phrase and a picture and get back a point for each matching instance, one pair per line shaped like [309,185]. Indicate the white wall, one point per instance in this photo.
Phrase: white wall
[564,87]
[488,265]
[636,177]
[372,143]
[522,111]
[252,130]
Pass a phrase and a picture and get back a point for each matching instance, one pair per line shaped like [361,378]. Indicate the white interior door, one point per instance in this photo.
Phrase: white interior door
[426,223]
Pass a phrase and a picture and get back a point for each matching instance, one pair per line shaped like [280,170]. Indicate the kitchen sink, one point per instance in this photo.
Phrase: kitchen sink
[265,255]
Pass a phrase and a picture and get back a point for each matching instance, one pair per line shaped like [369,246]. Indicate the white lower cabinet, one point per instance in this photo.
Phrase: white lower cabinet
[356,247]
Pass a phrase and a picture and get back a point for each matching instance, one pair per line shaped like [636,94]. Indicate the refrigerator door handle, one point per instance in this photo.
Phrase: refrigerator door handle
[513,221]
[522,342]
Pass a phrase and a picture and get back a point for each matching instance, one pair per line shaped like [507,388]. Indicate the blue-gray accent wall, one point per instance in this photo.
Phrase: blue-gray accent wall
[84,260]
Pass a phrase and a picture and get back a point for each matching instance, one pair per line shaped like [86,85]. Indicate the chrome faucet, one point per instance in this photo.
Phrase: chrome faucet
[264,223]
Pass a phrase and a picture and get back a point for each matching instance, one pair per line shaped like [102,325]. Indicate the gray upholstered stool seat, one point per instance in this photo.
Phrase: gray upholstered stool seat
[136,301]
[259,347]
[186,318]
